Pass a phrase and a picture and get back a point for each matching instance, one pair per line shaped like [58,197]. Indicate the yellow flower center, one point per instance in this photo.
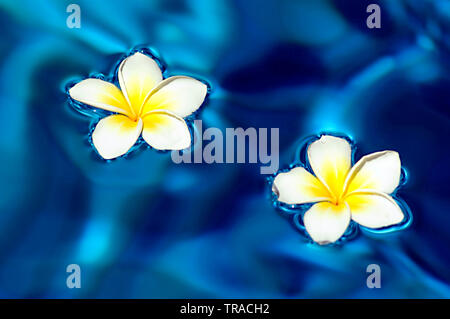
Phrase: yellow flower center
[337,195]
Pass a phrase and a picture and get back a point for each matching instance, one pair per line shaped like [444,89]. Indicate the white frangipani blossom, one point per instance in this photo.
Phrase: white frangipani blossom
[340,192]
[146,104]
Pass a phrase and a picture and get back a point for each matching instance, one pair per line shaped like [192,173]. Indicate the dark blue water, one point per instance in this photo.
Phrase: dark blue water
[144,227]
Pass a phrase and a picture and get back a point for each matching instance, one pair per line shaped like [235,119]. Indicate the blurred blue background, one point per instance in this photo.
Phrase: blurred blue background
[143,227]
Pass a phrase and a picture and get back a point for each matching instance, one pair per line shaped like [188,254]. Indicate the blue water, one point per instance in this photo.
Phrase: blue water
[144,227]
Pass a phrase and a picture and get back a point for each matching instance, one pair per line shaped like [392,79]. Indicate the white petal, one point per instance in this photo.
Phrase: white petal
[164,130]
[138,75]
[326,222]
[298,186]
[100,94]
[377,171]
[115,135]
[181,95]
[330,159]
[374,210]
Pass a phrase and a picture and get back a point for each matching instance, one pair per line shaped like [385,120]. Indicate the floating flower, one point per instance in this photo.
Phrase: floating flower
[145,104]
[339,192]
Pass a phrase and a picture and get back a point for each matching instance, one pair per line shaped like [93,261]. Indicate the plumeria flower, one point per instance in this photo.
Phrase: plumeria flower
[339,192]
[145,104]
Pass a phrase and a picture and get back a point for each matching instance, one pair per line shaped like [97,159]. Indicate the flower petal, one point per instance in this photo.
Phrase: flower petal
[374,210]
[330,159]
[164,130]
[181,95]
[100,94]
[326,222]
[377,171]
[138,75]
[298,186]
[115,135]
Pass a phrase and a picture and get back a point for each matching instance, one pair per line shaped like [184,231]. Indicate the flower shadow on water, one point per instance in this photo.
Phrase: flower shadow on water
[295,212]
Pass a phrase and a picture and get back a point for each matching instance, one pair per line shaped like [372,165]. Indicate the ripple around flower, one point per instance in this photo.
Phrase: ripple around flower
[96,114]
[295,212]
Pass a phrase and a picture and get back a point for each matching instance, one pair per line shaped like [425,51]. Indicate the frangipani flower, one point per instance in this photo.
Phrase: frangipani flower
[340,193]
[145,104]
